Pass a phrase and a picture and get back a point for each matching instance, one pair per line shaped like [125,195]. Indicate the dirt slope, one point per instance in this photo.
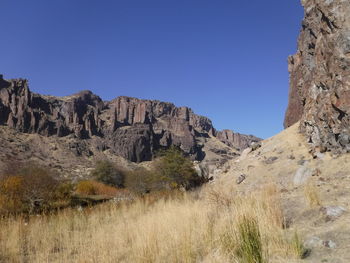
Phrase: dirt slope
[284,160]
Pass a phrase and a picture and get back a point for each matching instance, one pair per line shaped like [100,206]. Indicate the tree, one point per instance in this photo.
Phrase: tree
[28,186]
[40,185]
[108,173]
[176,169]
[140,180]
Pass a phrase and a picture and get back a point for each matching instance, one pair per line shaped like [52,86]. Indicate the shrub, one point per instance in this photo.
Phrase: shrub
[11,195]
[27,187]
[64,191]
[89,187]
[249,241]
[140,180]
[39,182]
[85,188]
[108,173]
[176,170]
[298,247]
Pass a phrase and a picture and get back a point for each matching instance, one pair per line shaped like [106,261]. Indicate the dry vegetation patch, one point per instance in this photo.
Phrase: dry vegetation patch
[185,227]
[90,187]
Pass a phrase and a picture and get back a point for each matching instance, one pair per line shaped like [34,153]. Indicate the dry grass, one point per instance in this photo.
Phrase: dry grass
[185,228]
[311,194]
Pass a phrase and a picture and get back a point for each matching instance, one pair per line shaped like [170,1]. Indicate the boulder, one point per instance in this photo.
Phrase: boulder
[302,175]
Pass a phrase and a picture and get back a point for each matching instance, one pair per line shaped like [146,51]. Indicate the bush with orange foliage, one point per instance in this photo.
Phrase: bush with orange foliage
[27,187]
[89,187]
[12,195]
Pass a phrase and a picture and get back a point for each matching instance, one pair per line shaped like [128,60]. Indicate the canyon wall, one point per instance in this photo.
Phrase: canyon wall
[319,95]
[132,128]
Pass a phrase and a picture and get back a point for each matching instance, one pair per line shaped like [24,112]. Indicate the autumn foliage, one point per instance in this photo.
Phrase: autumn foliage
[89,187]
[27,187]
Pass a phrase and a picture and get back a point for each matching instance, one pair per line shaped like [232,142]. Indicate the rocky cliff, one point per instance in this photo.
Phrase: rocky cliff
[236,140]
[319,93]
[129,127]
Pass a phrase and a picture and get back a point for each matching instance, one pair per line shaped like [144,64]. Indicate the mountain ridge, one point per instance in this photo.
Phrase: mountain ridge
[130,127]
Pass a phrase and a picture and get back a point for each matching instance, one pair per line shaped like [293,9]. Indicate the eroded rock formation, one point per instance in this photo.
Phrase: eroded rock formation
[319,93]
[240,141]
[132,128]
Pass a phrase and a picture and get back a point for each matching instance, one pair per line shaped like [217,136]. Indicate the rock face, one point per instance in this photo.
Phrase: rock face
[237,140]
[132,128]
[319,93]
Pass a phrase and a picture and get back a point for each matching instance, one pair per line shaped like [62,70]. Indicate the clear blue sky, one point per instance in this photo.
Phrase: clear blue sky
[225,59]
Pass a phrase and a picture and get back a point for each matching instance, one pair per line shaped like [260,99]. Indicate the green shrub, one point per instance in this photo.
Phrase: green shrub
[107,173]
[173,168]
[249,248]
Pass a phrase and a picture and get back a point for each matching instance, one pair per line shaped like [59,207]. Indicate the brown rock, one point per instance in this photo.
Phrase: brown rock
[236,140]
[132,128]
[319,93]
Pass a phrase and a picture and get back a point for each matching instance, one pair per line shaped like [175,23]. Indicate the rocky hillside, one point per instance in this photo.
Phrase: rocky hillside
[132,128]
[313,192]
[320,76]
[312,186]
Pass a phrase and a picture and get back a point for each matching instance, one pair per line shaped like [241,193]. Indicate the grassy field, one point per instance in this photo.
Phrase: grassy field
[206,226]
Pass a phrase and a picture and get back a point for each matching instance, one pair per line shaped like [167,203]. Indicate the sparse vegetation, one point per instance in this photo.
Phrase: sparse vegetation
[108,173]
[298,247]
[311,194]
[161,223]
[171,171]
[141,180]
[184,227]
[30,188]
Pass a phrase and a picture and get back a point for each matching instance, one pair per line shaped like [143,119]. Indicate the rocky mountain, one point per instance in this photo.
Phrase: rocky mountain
[319,93]
[236,140]
[128,127]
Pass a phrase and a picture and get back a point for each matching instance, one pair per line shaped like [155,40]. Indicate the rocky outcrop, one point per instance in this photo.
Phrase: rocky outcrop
[132,128]
[237,140]
[319,93]
[32,113]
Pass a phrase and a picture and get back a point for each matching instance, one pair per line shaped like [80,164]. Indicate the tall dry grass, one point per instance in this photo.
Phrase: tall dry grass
[210,226]
[311,194]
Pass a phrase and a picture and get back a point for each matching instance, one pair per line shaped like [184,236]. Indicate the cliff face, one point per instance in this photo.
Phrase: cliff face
[237,140]
[320,76]
[132,128]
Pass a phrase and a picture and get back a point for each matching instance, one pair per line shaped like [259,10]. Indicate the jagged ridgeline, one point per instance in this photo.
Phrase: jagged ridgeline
[129,127]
